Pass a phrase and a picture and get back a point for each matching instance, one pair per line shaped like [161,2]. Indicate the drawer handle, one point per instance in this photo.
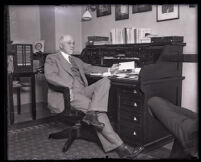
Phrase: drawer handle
[135,119]
[135,104]
[134,133]
[135,91]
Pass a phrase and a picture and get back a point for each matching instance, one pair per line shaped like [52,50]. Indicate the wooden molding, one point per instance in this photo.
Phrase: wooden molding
[193,58]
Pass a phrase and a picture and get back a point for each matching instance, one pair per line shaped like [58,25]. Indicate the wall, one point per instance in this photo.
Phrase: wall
[32,23]
[185,26]
[25,28]
[68,21]
[23,19]
[47,28]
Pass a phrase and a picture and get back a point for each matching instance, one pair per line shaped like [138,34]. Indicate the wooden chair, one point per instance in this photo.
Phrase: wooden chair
[14,84]
[77,129]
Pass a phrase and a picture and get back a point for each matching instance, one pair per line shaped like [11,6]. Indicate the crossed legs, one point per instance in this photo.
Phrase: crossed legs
[95,98]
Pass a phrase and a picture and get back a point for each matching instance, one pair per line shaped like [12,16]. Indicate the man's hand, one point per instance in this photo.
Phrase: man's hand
[114,69]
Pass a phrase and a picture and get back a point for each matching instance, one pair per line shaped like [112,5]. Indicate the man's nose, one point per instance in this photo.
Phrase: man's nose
[72,45]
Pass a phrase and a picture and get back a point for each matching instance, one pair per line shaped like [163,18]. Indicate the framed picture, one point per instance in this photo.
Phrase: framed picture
[192,5]
[103,10]
[121,12]
[167,12]
[141,8]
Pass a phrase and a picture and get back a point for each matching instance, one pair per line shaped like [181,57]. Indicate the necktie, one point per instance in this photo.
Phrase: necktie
[75,70]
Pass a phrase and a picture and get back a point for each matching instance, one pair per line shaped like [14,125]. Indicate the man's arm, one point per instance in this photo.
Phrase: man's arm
[88,68]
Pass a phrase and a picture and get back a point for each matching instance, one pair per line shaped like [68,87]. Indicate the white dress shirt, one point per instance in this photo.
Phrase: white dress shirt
[66,56]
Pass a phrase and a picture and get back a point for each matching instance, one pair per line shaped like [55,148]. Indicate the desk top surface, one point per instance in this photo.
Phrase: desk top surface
[117,81]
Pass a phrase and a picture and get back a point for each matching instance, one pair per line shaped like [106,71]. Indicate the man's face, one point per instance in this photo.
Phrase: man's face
[68,45]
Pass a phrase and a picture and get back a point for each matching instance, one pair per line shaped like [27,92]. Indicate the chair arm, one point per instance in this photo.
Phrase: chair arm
[66,94]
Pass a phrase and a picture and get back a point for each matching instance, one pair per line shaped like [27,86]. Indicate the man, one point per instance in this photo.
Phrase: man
[65,70]
[181,122]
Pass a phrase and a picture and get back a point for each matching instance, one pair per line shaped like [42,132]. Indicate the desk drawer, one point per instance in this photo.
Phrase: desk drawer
[132,133]
[132,117]
[131,92]
[131,109]
[131,103]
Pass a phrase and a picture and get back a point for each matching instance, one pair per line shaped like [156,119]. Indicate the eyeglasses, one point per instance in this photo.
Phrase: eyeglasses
[70,43]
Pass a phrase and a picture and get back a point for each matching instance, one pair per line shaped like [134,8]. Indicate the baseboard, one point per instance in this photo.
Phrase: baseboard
[31,123]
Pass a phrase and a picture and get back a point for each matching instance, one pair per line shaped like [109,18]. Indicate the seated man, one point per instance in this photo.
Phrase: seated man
[65,70]
[181,122]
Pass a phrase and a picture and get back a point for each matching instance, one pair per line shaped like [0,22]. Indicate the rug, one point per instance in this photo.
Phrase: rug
[32,143]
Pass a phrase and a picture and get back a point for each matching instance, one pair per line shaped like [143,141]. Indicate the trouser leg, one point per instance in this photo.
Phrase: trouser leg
[176,121]
[177,151]
[98,93]
[108,137]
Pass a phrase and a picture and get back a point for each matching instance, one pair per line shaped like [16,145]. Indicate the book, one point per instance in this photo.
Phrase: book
[113,36]
[97,38]
[130,35]
[141,35]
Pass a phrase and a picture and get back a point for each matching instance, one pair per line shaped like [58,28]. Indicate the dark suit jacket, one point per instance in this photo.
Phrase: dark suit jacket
[58,72]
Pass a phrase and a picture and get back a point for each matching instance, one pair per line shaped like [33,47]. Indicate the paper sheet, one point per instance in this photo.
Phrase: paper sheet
[127,65]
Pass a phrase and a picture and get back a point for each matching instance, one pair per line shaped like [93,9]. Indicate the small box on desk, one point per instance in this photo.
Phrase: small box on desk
[167,39]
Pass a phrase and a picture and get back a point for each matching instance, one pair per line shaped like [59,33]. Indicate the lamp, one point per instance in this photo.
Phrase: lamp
[87,15]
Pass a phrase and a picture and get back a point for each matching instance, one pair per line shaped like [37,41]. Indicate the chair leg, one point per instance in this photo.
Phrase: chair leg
[18,101]
[71,138]
[10,102]
[60,135]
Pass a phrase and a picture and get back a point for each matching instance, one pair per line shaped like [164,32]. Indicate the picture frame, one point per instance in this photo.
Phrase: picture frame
[103,10]
[192,5]
[141,8]
[167,12]
[38,46]
[121,12]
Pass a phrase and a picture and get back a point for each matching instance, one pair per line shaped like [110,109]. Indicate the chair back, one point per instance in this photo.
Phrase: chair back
[70,112]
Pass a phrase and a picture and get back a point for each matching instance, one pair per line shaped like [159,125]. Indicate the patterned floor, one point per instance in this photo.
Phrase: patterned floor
[32,143]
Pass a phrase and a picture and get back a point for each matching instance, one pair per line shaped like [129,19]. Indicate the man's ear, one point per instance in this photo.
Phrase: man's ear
[61,46]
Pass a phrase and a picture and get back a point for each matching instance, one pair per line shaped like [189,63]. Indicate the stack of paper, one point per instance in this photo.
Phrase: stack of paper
[127,65]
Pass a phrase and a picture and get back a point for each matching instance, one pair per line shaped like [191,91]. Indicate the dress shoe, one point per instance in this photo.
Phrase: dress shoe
[91,119]
[194,156]
[125,151]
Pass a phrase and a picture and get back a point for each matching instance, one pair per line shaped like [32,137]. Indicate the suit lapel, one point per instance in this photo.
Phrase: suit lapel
[65,64]
[81,71]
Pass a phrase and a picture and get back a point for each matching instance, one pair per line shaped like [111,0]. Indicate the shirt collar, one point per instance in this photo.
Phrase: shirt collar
[66,56]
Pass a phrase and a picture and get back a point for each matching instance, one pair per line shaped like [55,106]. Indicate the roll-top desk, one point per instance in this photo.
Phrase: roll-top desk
[128,98]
